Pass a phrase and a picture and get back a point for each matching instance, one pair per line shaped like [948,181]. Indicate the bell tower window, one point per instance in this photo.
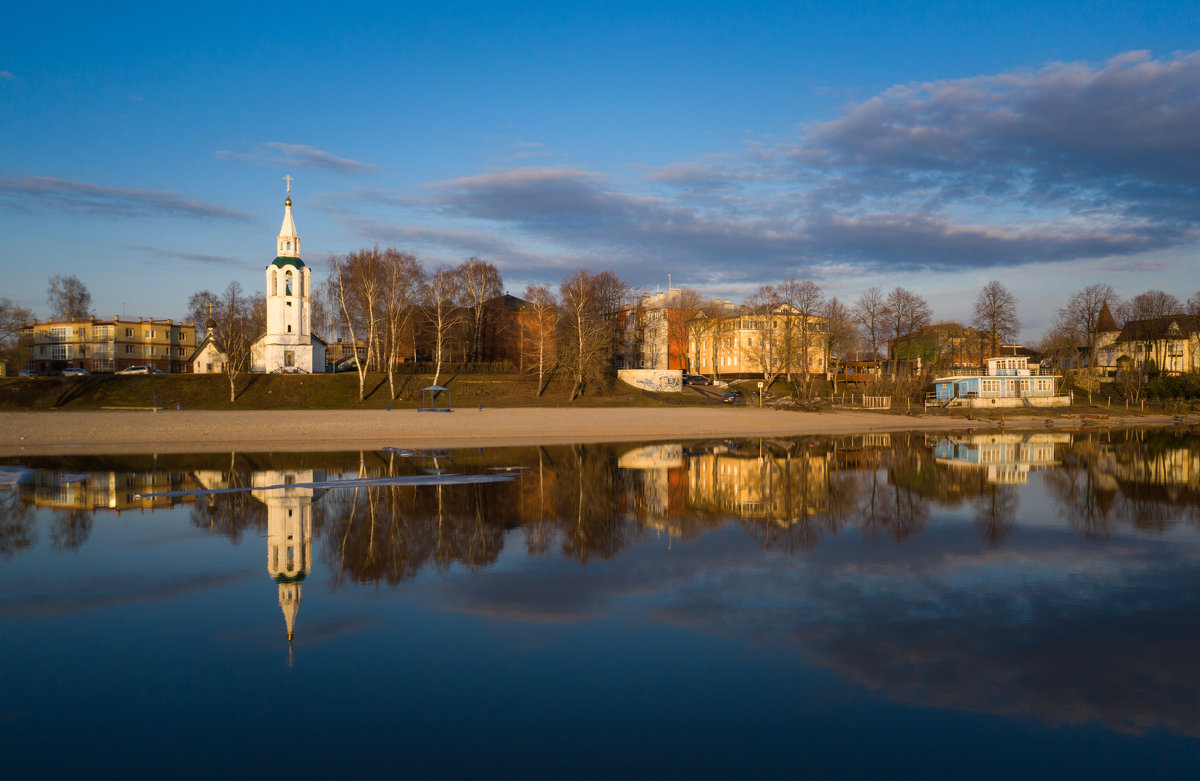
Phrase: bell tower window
[287,284]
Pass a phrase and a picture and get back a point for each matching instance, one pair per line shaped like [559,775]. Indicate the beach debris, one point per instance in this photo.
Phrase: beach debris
[399,451]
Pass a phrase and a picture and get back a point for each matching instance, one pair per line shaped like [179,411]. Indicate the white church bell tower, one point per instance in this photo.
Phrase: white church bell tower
[288,344]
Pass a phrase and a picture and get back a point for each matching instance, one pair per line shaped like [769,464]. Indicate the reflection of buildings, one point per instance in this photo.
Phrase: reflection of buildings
[1006,457]
[760,484]
[116,491]
[654,490]
[289,534]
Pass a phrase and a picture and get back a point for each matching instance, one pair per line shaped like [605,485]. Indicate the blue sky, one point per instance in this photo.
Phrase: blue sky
[930,145]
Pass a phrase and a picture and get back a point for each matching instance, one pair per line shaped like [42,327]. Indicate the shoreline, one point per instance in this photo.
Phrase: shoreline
[208,431]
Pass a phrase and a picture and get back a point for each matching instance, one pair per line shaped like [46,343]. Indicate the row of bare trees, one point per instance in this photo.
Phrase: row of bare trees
[390,305]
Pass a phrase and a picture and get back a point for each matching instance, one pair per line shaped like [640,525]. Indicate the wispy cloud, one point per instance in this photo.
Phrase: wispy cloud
[196,257]
[451,245]
[6,75]
[279,154]
[29,193]
[991,171]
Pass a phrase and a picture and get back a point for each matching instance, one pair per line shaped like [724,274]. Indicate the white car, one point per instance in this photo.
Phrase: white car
[135,370]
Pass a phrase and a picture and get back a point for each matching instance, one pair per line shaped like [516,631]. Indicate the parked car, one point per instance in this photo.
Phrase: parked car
[734,397]
[135,370]
[71,371]
[696,379]
[152,370]
[27,373]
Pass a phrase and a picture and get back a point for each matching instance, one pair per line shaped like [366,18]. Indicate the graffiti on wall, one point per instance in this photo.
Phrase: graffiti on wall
[653,379]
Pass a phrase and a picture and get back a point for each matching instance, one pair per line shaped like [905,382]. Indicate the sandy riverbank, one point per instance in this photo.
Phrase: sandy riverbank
[43,433]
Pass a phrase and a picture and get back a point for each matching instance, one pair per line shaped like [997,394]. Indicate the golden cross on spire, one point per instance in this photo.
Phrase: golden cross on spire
[210,308]
[288,179]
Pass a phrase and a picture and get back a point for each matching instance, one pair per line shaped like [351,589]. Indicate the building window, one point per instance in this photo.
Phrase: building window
[287,284]
[129,333]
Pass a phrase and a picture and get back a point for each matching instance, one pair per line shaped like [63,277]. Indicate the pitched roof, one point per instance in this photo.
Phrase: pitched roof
[1155,328]
[506,302]
[1105,322]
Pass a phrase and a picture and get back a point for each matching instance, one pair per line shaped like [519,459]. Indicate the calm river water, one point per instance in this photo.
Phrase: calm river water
[903,606]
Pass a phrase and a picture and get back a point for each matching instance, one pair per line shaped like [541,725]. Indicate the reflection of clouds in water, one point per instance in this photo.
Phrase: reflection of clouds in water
[92,593]
[1068,635]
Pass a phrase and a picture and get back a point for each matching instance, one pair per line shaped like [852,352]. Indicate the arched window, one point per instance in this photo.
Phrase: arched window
[287,284]
[302,277]
[274,282]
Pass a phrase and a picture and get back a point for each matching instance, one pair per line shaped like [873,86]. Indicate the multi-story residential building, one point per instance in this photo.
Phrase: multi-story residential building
[105,346]
[744,343]
[1168,344]
[655,332]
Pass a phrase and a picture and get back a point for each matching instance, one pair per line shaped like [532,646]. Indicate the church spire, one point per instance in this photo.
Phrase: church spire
[288,243]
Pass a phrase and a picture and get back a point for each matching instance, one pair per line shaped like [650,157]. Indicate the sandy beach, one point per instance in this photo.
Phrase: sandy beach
[55,432]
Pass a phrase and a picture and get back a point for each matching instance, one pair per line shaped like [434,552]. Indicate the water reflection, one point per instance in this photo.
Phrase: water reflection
[592,501]
[1012,573]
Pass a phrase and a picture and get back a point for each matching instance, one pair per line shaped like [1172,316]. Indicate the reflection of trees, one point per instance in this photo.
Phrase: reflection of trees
[537,502]
[996,513]
[18,531]
[230,514]
[70,528]
[388,533]
[889,510]
[794,517]
[1150,480]
[589,523]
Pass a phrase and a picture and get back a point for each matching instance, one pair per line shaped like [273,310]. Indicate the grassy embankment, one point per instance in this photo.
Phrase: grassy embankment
[340,391]
[298,391]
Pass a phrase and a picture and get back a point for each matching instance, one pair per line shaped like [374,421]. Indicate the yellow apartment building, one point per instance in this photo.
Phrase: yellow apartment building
[106,346]
[750,344]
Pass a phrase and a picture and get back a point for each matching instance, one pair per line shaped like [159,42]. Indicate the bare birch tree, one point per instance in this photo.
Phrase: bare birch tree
[401,291]
[357,287]
[442,294]
[69,298]
[480,283]
[537,332]
[236,325]
[587,337]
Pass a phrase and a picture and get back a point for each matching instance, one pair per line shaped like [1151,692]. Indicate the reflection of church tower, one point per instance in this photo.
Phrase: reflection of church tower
[289,536]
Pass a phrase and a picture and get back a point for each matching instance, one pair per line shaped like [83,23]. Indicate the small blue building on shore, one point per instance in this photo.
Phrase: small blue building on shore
[1009,382]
